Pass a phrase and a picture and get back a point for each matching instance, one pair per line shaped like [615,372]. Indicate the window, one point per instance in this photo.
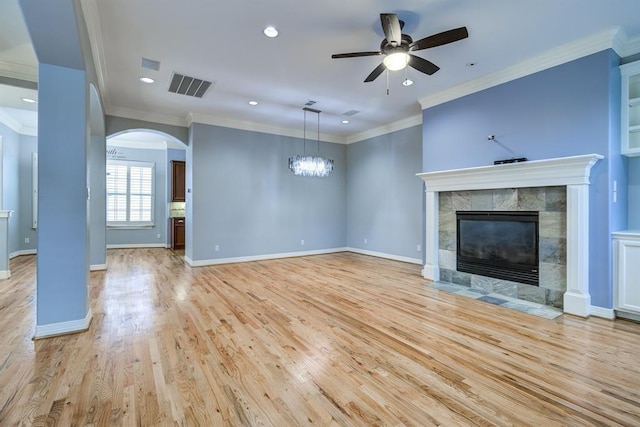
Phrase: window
[130,195]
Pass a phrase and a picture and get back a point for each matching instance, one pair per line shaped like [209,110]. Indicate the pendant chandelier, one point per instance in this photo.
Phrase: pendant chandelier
[314,166]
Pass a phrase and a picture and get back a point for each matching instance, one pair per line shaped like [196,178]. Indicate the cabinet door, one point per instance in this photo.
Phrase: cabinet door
[178,183]
[177,233]
[628,275]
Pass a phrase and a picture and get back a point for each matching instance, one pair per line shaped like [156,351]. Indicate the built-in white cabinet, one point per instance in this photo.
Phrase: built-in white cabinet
[626,272]
[630,108]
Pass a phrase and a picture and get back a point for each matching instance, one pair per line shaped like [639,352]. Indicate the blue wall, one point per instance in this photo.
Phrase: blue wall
[245,200]
[567,110]
[28,145]
[10,182]
[384,197]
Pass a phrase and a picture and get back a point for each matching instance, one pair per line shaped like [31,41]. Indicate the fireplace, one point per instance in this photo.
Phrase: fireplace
[572,173]
[503,245]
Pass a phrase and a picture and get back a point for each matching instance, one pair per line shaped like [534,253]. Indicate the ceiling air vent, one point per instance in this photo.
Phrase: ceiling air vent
[190,86]
[150,64]
[350,113]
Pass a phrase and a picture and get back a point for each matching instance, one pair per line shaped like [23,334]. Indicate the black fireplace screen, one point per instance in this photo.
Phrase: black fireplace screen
[499,244]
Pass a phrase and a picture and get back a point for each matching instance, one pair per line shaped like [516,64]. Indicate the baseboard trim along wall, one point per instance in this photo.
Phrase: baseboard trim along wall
[202,263]
[387,256]
[205,262]
[20,253]
[63,328]
[5,274]
[137,246]
[97,267]
[605,313]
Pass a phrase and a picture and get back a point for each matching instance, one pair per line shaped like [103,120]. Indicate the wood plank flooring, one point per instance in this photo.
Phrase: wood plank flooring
[329,340]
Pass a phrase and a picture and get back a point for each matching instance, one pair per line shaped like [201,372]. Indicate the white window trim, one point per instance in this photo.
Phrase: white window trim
[135,224]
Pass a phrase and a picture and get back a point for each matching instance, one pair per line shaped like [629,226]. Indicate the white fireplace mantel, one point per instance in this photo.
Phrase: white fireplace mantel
[572,172]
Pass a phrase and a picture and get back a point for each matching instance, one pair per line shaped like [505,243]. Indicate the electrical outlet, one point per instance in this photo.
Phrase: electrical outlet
[158,236]
[217,248]
[26,240]
[419,248]
[365,240]
[302,242]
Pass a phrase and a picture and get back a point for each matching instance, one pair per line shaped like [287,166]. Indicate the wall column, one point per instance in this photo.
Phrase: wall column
[577,299]
[63,255]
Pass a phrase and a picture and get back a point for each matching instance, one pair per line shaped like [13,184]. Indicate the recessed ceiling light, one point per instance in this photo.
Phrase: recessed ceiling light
[253,102]
[271,32]
[407,82]
[29,100]
[344,122]
[146,80]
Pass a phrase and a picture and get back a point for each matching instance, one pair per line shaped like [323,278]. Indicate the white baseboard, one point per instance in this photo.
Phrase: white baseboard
[97,267]
[20,253]
[605,313]
[136,245]
[628,316]
[5,274]
[387,256]
[63,328]
[202,263]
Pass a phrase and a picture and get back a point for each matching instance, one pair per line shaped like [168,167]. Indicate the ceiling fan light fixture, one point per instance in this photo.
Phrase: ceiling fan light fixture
[396,61]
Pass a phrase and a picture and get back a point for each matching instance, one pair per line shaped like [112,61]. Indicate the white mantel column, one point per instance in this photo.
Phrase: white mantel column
[577,299]
[431,270]
[5,273]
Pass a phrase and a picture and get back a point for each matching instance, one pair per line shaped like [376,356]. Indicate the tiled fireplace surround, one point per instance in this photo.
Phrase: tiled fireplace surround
[557,188]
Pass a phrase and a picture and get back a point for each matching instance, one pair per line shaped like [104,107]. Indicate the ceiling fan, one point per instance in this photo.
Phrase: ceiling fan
[396,47]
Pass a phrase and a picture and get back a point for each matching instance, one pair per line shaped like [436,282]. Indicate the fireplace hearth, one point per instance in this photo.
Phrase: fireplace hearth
[498,244]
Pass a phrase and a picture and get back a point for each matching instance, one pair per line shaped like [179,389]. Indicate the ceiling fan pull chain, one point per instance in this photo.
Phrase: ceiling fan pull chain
[387,82]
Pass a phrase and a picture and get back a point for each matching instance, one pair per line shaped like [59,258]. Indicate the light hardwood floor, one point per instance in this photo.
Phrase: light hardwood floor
[339,339]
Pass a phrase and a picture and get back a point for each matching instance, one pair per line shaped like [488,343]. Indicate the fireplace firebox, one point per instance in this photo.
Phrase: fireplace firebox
[503,245]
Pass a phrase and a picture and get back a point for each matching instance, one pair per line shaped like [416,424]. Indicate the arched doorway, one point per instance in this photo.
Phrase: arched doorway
[140,158]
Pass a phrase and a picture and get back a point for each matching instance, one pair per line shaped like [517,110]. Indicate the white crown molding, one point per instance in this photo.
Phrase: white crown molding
[386,129]
[9,121]
[257,127]
[562,54]
[129,113]
[19,71]
[92,20]
[15,125]
[630,47]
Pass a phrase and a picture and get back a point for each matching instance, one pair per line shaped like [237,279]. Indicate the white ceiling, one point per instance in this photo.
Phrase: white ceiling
[223,42]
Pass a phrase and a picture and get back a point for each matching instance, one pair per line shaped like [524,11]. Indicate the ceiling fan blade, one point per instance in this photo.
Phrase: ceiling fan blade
[375,73]
[355,54]
[440,39]
[391,28]
[422,65]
